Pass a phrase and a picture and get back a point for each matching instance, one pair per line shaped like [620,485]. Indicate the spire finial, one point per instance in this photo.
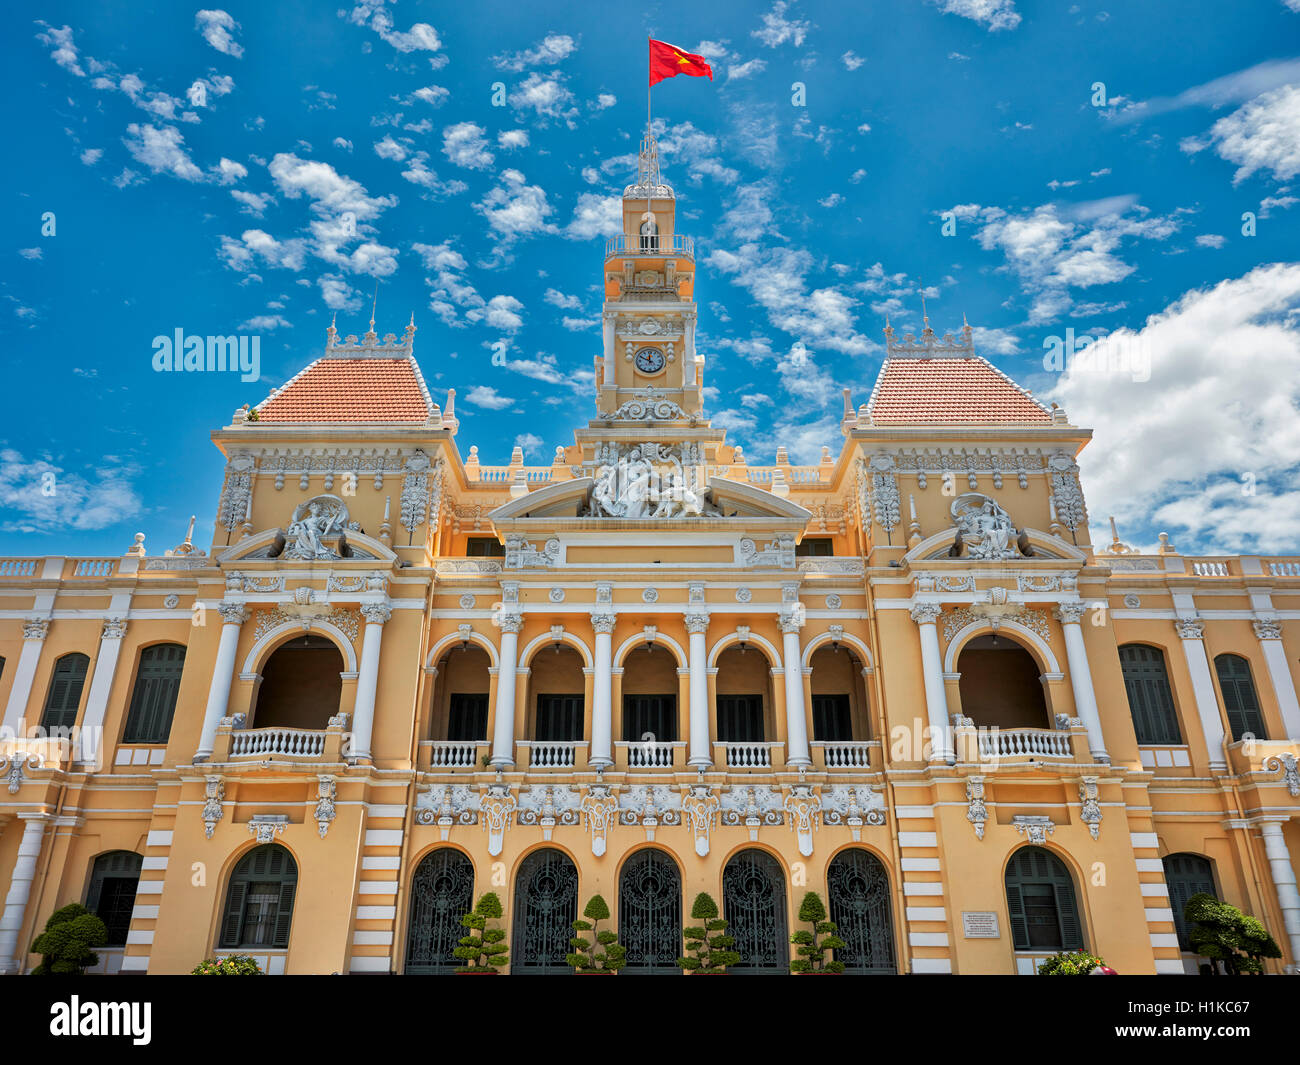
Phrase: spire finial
[925,317]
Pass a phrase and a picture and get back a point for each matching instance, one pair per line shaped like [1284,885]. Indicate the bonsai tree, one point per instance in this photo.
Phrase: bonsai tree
[1070,963]
[1225,935]
[230,965]
[483,948]
[813,950]
[709,943]
[65,945]
[612,958]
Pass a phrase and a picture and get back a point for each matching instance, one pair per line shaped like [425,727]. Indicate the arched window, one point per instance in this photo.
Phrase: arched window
[650,913]
[546,905]
[858,888]
[1150,701]
[744,695]
[153,701]
[65,692]
[1000,685]
[111,894]
[259,901]
[1041,902]
[442,892]
[1185,876]
[1239,698]
[753,903]
[301,684]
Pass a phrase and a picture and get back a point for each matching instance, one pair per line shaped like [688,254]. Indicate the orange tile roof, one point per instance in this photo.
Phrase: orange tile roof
[946,390]
[350,390]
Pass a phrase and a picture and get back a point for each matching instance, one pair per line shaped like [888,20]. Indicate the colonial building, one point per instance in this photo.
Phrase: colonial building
[909,677]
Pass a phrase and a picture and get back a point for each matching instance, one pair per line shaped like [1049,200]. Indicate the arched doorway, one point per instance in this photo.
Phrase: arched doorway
[857,886]
[1000,685]
[839,705]
[301,684]
[1041,902]
[259,899]
[753,903]
[546,905]
[460,708]
[650,913]
[442,891]
[111,895]
[1187,875]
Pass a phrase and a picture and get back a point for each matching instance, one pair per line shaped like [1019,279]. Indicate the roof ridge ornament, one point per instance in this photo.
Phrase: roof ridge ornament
[930,346]
[649,181]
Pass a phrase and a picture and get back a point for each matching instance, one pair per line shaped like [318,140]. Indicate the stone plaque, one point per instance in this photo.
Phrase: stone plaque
[979,924]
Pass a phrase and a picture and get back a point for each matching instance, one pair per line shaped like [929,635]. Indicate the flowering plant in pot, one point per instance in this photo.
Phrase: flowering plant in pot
[708,943]
[811,948]
[230,965]
[585,960]
[484,949]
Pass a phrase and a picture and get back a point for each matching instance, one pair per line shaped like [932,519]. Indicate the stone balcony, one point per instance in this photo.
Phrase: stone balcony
[990,747]
[235,744]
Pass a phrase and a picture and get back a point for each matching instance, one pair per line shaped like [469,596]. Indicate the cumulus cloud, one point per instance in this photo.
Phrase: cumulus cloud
[101,497]
[389,149]
[510,139]
[421,37]
[487,397]
[515,209]
[995,14]
[217,28]
[161,150]
[553,48]
[91,156]
[1222,402]
[777,29]
[63,49]
[466,146]
[545,96]
[596,216]
[1262,135]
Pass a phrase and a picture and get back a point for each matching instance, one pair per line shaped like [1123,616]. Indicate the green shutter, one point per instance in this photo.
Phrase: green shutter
[1151,702]
[65,692]
[1239,698]
[1016,908]
[1068,915]
[284,913]
[153,700]
[232,925]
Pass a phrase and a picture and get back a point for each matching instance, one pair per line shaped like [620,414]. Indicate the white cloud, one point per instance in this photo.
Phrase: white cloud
[529,442]
[229,171]
[337,294]
[420,37]
[91,156]
[777,29]
[995,14]
[852,60]
[605,100]
[345,145]
[255,244]
[465,145]
[216,27]
[500,312]
[596,216]
[390,149]
[64,49]
[30,253]
[330,191]
[161,150]
[545,96]
[433,95]
[552,49]
[1221,403]
[556,298]
[1262,135]
[516,209]
[265,323]
[1211,240]
[105,498]
[487,397]
[513,138]
[745,70]
[579,325]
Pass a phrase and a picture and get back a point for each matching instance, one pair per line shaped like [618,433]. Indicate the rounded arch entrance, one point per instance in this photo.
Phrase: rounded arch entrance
[302,681]
[442,891]
[1002,683]
[460,694]
[650,912]
[744,701]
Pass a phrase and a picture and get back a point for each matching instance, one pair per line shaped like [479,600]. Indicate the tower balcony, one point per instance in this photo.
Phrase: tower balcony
[661,246]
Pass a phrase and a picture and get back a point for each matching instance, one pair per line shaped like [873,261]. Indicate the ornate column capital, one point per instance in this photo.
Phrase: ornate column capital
[232,613]
[697,622]
[1267,628]
[511,622]
[1070,613]
[926,613]
[376,613]
[790,621]
[36,628]
[114,628]
[603,623]
[1192,628]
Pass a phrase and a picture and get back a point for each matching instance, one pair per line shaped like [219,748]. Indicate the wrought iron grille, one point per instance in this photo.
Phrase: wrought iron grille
[546,905]
[650,913]
[753,902]
[858,888]
[441,893]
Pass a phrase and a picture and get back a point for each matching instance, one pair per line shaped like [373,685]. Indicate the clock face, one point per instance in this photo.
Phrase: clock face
[649,360]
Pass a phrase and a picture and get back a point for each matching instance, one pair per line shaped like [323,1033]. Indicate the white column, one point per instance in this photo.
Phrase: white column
[363,712]
[1288,898]
[34,633]
[233,615]
[697,664]
[503,735]
[1076,656]
[796,719]
[1269,634]
[936,698]
[1191,632]
[20,888]
[101,685]
[602,710]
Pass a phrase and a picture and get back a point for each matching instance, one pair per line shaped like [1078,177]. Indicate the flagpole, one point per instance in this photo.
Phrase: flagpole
[649,126]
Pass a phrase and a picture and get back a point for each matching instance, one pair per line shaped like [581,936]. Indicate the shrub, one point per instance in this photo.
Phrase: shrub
[230,965]
[709,942]
[65,945]
[813,950]
[1225,935]
[483,948]
[612,958]
[1070,963]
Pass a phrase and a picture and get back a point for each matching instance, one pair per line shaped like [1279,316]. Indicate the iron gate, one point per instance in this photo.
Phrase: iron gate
[858,887]
[753,902]
[650,913]
[546,905]
[441,893]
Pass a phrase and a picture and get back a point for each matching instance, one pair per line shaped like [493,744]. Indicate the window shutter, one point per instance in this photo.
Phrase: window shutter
[1067,914]
[1016,909]
[1151,702]
[284,913]
[232,924]
[65,692]
[1239,698]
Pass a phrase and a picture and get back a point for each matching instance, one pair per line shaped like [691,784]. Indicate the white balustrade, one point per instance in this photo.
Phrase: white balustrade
[1284,569]
[17,567]
[748,755]
[656,755]
[453,754]
[1013,742]
[297,742]
[94,567]
[552,754]
[845,755]
[1211,569]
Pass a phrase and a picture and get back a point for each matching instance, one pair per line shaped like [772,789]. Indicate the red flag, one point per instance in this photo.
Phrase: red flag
[667,61]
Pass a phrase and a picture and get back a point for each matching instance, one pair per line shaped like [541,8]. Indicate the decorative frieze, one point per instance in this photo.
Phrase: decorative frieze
[976,812]
[36,628]
[214,791]
[326,791]
[1286,763]
[114,629]
[497,808]
[548,805]
[1190,628]
[778,553]
[15,767]
[853,805]
[1267,628]
[599,813]
[521,554]
[1089,807]
[447,805]
[237,492]
[347,621]
[700,809]
[1066,492]
[265,827]
[752,806]
[803,805]
[1033,826]
[649,805]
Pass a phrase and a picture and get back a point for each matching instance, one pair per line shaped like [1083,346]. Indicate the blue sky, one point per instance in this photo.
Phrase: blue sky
[254,168]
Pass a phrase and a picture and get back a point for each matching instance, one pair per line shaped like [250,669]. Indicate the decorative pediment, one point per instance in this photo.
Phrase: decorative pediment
[269,545]
[1044,546]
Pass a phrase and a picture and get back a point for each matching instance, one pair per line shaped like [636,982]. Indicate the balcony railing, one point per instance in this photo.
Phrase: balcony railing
[845,755]
[747,755]
[1211,567]
[552,754]
[656,755]
[18,567]
[295,742]
[675,245]
[1284,568]
[1016,742]
[453,754]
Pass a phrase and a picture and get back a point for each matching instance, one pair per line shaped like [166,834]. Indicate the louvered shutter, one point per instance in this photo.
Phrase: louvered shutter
[232,924]
[1067,913]
[284,913]
[1016,910]
[65,692]
[153,700]
[1239,697]
[1151,702]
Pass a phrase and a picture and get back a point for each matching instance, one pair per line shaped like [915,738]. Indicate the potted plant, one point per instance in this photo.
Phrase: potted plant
[230,965]
[483,950]
[66,943]
[709,942]
[584,960]
[813,949]
[1225,935]
[1071,963]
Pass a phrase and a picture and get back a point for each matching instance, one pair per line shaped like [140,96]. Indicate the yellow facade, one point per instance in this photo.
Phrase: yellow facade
[806,704]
